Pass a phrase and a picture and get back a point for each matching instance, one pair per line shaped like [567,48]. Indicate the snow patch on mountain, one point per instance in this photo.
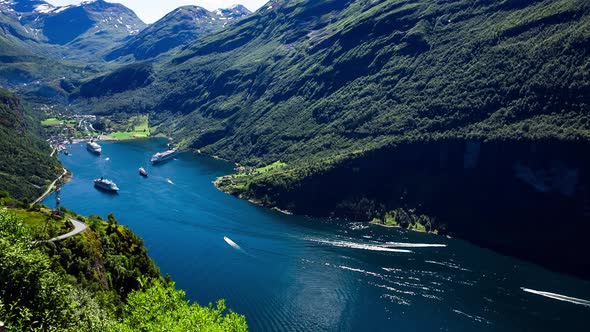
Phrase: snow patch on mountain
[44,8]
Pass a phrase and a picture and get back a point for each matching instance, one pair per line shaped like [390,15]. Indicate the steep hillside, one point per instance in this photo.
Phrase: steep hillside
[319,78]
[25,167]
[45,48]
[333,89]
[181,26]
[93,26]
[99,280]
[126,77]
[77,32]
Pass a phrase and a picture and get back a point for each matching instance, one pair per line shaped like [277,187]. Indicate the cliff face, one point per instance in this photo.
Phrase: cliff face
[529,199]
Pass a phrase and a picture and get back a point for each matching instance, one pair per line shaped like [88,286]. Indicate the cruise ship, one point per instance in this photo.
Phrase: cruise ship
[93,147]
[106,185]
[163,156]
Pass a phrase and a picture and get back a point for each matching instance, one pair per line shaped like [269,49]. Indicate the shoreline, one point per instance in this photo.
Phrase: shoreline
[54,186]
[400,227]
[253,201]
[107,138]
[287,212]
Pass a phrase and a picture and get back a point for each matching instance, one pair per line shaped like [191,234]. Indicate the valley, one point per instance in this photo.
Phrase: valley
[467,119]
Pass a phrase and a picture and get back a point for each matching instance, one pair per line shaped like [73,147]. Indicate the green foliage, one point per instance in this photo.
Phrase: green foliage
[161,305]
[125,78]
[25,167]
[34,296]
[137,127]
[95,281]
[409,219]
[50,122]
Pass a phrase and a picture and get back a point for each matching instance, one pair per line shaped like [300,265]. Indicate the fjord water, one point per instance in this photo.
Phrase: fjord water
[289,273]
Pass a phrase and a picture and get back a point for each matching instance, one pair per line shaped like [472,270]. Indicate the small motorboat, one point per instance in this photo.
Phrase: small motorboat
[143,172]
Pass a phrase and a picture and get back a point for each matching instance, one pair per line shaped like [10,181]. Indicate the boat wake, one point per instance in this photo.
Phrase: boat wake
[361,271]
[413,245]
[353,245]
[235,245]
[559,297]
[355,226]
[451,265]
[473,317]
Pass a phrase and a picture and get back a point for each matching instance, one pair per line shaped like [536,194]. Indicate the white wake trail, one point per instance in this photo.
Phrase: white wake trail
[559,297]
[353,245]
[232,243]
[413,245]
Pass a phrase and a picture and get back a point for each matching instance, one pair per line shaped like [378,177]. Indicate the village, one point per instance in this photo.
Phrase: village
[62,128]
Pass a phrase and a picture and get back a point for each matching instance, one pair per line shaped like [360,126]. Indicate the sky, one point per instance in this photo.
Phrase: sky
[152,10]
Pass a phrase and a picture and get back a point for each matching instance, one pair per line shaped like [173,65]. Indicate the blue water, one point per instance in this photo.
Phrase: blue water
[289,273]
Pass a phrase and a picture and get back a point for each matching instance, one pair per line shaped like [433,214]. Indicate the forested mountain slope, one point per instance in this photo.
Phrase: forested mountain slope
[342,91]
[177,28]
[99,280]
[46,50]
[304,78]
[25,167]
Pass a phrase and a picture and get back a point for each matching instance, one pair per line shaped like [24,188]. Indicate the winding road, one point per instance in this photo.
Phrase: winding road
[50,188]
[79,227]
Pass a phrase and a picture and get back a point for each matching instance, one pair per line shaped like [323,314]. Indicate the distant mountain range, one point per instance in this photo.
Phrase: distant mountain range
[94,29]
[46,50]
[84,30]
[180,27]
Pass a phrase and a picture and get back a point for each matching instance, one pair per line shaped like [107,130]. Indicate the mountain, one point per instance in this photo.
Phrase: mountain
[469,112]
[44,48]
[25,167]
[12,34]
[319,78]
[95,24]
[77,32]
[179,27]
[232,13]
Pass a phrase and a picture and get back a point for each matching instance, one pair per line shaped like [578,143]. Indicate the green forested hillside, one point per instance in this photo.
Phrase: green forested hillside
[363,101]
[100,280]
[321,78]
[25,167]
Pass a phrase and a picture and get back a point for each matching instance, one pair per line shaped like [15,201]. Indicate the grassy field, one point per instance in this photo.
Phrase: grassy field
[236,182]
[50,122]
[137,127]
[41,222]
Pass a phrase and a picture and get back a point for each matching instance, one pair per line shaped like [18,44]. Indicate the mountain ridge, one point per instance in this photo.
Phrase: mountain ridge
[177,28]
[77,32]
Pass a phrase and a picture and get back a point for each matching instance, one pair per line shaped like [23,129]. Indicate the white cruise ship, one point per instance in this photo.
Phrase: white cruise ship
[93,147]
[106,185]
[163,156]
